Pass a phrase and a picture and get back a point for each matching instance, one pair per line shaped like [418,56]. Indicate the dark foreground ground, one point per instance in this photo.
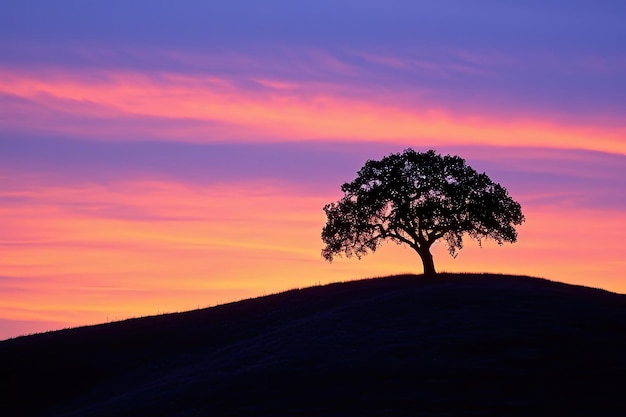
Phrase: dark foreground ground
[400,346]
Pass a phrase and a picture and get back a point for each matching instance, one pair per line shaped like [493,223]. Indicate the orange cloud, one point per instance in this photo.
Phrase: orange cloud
[98,252]
[215,109]
[78,254]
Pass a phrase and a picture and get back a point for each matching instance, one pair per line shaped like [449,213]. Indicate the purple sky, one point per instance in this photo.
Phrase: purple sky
[119,117]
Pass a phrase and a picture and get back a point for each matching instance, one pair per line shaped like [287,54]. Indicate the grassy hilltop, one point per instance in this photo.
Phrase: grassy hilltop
[398,346]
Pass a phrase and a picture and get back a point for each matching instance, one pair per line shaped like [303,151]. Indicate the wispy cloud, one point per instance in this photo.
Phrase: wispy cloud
[120,106]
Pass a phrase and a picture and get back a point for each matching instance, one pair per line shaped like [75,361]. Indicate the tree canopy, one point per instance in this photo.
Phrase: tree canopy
[416,198]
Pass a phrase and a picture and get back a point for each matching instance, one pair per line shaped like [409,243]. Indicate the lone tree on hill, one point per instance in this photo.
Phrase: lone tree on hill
[417,198]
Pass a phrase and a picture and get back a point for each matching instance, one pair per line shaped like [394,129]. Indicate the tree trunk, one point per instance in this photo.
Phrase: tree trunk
[427,260]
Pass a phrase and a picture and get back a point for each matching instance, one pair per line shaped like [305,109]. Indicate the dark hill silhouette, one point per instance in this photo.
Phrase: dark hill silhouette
[470,344]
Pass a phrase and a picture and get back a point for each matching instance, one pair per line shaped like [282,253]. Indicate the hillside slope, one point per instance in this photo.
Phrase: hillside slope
[407,345]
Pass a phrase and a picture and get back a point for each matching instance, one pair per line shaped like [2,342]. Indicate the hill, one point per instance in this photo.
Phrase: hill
[471,344]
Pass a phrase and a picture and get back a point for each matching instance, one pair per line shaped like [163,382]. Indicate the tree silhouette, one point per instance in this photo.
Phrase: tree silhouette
[417,198]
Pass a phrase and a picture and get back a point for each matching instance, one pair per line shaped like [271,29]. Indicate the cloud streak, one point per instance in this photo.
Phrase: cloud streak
[134,106]
[126,248]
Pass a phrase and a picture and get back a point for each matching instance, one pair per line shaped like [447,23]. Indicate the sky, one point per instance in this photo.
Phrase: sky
[162,156]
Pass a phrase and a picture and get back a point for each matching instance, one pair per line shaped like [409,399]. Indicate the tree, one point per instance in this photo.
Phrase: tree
[415,199]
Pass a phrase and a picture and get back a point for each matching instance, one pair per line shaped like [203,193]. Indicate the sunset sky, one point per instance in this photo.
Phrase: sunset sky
[161,156]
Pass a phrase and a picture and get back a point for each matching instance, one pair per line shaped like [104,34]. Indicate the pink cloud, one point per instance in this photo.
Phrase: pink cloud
[85,253]
[217,109]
